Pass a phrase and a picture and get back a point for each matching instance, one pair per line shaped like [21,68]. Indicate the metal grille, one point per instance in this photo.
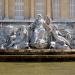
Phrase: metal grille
[39,7]
[19,9]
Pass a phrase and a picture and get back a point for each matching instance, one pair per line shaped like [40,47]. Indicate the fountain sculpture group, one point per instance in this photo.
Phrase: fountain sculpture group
[41,34]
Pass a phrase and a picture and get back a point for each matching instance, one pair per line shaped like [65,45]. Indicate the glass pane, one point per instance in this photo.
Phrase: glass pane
[56,9]
[72,8]
[1,8]
[39,7]
[19,9]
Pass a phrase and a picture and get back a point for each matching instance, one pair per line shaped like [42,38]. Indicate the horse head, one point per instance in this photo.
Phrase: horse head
[19,40]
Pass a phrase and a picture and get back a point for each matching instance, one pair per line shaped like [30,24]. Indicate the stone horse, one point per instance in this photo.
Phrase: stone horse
[19,39]
[5,32]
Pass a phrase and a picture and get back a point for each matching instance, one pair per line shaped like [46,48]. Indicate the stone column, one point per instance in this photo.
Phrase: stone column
[64,9]
[6,9]
[32,8]
[49,6]
[26,8]
[45,7]
[11,9]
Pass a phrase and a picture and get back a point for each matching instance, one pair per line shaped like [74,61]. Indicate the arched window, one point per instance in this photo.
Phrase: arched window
[19,9]
[1,9]
[56,9]
[39,7]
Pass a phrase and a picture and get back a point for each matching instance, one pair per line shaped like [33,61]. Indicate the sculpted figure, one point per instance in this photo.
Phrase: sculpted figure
[5,36]
[53,31]
[42,33]
[39,36]
[19,39]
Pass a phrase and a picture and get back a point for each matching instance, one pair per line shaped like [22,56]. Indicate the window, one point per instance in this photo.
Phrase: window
[19,9]
[39,7]
[1,9]
[56,9]
[72,8]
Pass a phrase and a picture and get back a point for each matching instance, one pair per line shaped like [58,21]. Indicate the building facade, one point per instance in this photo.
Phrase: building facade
[28,9]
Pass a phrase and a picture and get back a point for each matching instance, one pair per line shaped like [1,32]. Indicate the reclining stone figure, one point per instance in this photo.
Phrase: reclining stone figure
[44,27]
[57,35]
